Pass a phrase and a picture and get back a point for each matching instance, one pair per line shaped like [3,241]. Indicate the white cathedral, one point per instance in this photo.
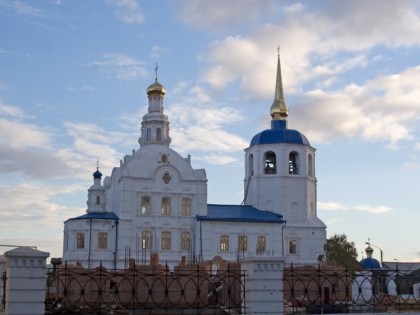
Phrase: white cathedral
[156,202]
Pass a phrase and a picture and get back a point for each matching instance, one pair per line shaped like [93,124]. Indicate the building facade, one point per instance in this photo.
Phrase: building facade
[155,201]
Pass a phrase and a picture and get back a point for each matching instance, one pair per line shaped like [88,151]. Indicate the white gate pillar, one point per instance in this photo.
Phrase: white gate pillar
[26,282]
[263,285]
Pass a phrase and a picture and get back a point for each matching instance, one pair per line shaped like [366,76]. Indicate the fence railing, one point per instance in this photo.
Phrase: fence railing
[145,289]
[317,290]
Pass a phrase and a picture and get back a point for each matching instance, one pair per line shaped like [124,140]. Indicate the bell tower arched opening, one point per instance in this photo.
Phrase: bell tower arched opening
[270,163]
[293,163]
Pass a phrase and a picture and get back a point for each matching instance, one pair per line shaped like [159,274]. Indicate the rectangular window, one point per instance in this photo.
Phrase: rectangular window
[242,243]
[166,206]
[80,240]
[292,247]
[102,240]
[224,243]
[186,207]
[185,241]
[166,240]
[146,240]
[261,244]
[145,205]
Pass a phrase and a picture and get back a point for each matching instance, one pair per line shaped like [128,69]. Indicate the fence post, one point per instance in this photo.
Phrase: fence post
[263,285]
[2,280]
[26,283]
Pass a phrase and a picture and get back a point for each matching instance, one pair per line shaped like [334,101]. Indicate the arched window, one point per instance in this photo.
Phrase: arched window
[260,244]
[166,240]
[146,240]
[80,240]
[293,247]
[224,243]
[158,135]
[145,205]
[102,240]
[186,207]
[166,206]
[148,135]
[98,200]
[310,166]
[251,165]
[242,243]
[293,163]
[185,241]
[270,166]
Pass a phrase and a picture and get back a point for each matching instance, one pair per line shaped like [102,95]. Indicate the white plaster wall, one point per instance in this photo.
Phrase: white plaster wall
[212,230]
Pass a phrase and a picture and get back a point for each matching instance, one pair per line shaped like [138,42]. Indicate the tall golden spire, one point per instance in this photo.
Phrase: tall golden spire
[279,110]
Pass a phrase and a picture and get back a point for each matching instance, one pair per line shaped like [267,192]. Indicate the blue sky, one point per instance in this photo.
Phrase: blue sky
[73,76]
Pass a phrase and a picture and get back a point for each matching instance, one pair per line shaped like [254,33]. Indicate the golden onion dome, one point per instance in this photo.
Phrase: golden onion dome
[279,110]
[369,250]
[156,88]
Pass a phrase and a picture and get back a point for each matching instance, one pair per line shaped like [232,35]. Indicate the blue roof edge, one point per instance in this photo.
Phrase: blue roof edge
[239,213]
[97,215]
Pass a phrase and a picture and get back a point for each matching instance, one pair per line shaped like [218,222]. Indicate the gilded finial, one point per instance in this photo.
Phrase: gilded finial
[156,71]
[279,110]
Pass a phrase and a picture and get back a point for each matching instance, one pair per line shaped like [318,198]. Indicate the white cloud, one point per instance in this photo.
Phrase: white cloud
[336,206]
[121,66]
[219,160]
[330,206]
[21,8]
[313,43]
[340,66]
[35,205]
[157,51]
[383,109]
[375,210]
[129,11]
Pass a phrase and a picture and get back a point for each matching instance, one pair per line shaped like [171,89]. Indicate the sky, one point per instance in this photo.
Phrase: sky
[73,80]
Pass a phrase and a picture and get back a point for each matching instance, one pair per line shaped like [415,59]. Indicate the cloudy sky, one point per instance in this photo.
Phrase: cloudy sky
[73,76]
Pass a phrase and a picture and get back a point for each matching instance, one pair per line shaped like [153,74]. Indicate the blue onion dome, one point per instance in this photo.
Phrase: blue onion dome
[280,135]
[97,174]
[369,262]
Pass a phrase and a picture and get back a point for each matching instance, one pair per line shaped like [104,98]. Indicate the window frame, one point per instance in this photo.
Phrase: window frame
[242,243]
[146,206]
[292,247]
[166,205]
[102,240]
[261,244]
[224,243]
[186,206]
[146,240]
[185,240]
[165,240]
[81,239]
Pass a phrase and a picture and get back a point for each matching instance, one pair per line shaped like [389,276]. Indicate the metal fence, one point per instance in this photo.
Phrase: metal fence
[144,290]
[320,291]
[3,295]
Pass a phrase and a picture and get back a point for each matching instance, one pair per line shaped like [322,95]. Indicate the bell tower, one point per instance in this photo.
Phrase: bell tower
[280,177]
